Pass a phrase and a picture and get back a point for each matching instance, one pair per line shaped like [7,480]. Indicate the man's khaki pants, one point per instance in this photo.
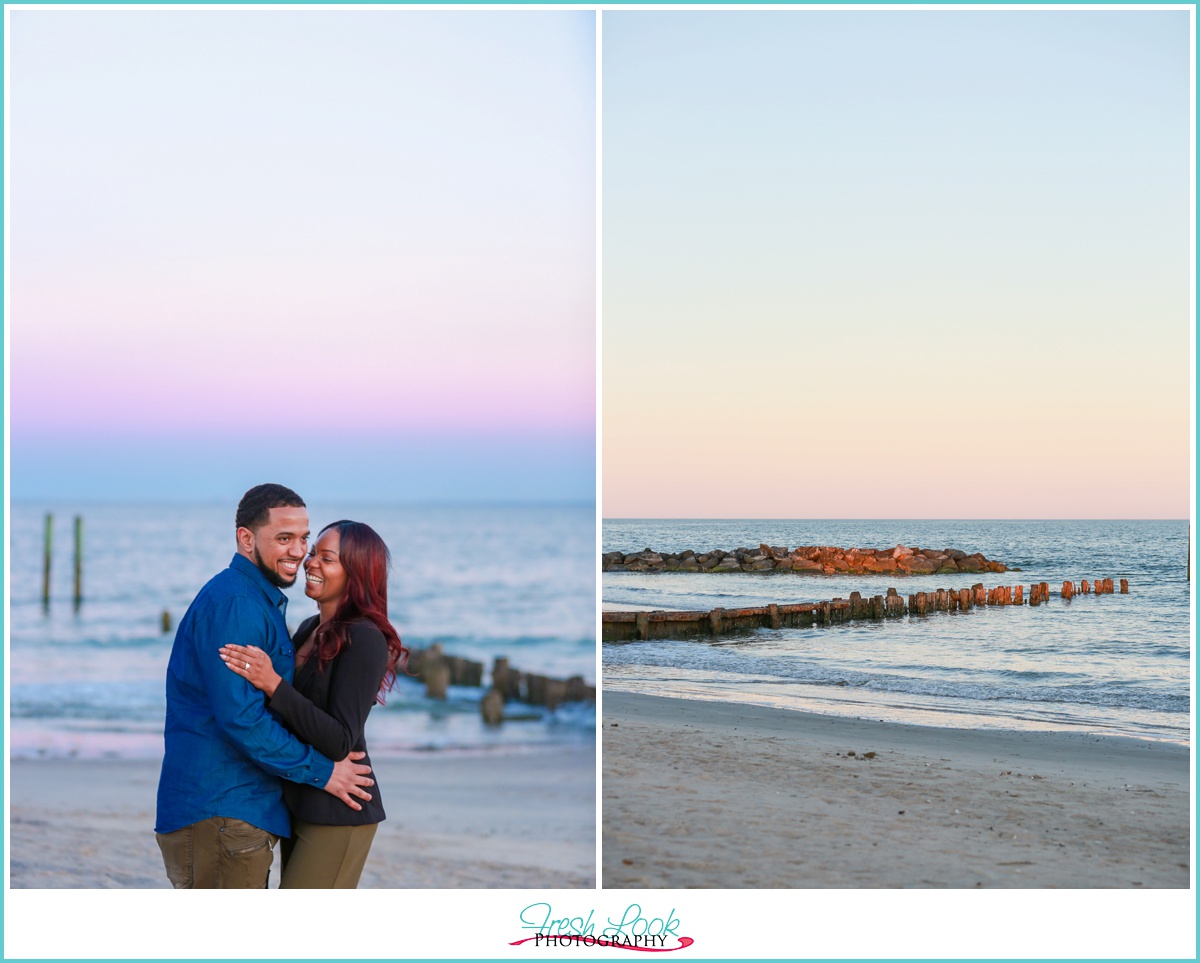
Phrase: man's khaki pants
[218,853]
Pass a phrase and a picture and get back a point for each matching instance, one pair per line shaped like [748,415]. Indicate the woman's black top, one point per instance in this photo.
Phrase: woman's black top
[328,709]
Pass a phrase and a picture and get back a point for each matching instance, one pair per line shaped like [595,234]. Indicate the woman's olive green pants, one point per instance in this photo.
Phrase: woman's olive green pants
[325,857]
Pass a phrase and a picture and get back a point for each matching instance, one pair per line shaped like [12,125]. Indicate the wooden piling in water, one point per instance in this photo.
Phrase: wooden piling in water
[858,608]
[504,680]
[434,672]
[46,554]
[78,560]
[1124,586]
[555,693]
[1068,589]
[491,707]
[535,688]
[773,612]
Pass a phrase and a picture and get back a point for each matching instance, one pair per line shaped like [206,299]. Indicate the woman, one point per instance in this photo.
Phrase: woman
[345,656]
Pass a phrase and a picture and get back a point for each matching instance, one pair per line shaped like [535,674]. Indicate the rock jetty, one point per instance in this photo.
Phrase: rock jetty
[807,559]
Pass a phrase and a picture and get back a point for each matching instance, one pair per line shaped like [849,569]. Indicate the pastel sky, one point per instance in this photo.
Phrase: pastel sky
[352,251]
[897,264]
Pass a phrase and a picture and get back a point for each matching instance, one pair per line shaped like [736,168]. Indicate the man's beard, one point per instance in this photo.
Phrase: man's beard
[272,576]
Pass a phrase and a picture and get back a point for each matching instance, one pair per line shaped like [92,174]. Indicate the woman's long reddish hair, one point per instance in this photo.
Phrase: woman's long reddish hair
[366,560]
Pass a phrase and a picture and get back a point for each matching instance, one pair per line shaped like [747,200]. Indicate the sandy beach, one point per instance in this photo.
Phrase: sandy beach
[707,794]
[478,820]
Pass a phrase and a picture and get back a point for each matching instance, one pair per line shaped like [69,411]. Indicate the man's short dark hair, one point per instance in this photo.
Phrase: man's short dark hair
[254,510]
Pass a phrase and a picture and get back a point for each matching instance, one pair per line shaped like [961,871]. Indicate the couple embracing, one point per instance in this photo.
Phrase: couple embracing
[264,732]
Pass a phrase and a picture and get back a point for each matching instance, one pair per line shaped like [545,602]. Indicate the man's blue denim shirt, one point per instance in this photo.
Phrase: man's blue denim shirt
[224,751]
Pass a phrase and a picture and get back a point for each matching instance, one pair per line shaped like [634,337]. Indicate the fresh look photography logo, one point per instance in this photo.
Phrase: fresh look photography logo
[632,930]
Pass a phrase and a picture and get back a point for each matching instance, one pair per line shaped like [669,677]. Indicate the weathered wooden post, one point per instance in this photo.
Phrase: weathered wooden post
[643,626]
[714,620]
[500,673]
[1124,586]
[78,560]
[435,672]
[491,707]
[1083,586]
[46,553]
[556,693]
[166,621]
[773,612]
[1068,589]
[535,689]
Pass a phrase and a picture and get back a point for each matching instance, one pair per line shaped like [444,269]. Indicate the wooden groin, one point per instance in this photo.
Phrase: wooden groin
[439,671]
[647,626]
[806,559]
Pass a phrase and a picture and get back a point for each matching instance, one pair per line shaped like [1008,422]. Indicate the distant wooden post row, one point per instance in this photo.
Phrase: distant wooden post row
[641,626]
[439,671]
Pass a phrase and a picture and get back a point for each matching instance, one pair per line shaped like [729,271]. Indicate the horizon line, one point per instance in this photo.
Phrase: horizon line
[821,518]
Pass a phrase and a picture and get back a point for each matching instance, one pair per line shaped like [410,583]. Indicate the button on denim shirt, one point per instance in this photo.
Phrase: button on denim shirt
[225,753]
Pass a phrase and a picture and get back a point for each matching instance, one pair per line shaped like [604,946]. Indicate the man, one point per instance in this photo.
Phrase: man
[220,799]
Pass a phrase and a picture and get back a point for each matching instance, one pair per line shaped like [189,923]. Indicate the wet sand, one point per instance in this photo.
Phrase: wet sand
[484,820]
[707,794]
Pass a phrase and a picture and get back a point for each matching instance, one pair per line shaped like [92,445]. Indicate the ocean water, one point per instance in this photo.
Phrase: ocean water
[1114,664]
[484,581]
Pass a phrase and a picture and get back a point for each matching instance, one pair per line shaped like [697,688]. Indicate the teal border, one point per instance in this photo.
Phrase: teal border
[505,4]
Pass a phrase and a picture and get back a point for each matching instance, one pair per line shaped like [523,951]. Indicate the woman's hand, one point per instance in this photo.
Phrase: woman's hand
[253,665]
